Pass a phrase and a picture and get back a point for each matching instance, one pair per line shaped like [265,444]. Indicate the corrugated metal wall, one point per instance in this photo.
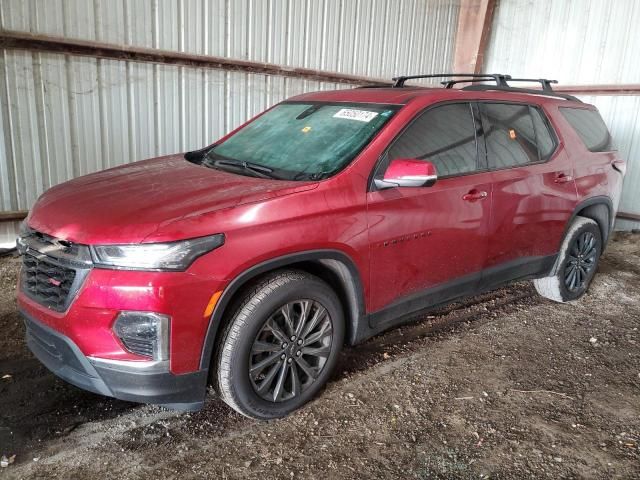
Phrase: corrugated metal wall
[64,116]
[578,42]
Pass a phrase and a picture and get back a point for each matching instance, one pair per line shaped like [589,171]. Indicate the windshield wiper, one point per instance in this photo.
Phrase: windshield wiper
[255,168]
[309,111]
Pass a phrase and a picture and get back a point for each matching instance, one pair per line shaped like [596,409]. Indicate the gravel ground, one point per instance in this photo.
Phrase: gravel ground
[504,385]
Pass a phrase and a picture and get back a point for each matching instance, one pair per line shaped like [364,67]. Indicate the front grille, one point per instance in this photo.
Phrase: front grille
[52,269]
[47,282]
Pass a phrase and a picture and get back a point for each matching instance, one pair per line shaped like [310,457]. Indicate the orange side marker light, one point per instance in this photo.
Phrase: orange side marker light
[212,303]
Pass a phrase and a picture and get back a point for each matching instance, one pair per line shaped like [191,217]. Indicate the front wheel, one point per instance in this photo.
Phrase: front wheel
[576,264]
[280,346]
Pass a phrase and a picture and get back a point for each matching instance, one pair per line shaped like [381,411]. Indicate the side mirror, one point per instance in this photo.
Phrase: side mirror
[408,172]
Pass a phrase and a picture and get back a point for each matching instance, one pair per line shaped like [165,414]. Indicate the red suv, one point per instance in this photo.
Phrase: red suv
[323,221]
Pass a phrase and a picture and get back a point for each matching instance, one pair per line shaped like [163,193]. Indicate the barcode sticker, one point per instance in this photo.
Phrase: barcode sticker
[359,115]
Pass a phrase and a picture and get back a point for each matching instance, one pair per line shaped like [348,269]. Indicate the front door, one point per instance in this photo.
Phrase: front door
[429,243]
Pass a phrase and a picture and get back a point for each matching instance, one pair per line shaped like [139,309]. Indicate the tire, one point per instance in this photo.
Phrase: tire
[576,264]
[256,361]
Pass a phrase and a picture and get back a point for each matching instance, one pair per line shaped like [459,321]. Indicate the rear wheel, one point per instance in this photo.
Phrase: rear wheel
[576,265]
[280,346]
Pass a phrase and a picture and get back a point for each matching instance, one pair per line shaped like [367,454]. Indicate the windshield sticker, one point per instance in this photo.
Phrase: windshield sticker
[359,115]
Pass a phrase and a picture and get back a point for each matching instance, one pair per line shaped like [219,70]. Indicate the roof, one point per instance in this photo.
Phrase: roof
[402,96]
[394,96]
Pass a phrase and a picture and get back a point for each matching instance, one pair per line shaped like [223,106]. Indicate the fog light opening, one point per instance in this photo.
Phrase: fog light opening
[144,333]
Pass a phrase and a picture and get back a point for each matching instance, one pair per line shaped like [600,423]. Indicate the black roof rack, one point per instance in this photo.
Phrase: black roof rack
[531,91]
[451,83]
[501,83]
[497,77]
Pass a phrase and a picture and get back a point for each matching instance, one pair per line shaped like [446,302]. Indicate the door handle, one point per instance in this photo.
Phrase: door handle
[563,178]
[474,195]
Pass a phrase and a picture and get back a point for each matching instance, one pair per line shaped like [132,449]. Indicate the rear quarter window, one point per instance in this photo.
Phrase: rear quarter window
[590,127]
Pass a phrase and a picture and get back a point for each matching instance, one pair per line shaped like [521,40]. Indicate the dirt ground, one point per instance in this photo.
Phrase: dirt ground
[504,385]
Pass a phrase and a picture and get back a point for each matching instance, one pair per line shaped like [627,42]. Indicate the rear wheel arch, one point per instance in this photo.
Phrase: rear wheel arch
[599,209]
[576,263]
[333,266]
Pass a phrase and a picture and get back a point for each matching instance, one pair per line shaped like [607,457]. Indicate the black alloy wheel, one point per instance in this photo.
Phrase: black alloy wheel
[581,261]
[290,350]
[576,263]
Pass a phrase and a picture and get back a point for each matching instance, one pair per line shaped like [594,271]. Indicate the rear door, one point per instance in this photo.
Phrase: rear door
[533,187]
[431,238]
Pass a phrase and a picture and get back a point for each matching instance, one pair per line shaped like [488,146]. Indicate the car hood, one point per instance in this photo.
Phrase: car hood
[129,203]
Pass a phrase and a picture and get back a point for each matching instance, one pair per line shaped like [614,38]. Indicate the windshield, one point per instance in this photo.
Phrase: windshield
[300,141]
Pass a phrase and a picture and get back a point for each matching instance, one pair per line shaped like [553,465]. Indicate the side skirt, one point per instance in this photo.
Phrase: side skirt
[400,312]
[525,268]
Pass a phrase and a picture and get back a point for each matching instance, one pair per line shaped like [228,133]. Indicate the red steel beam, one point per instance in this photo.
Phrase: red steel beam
[610,89]
[474,27]
[628,216]
[47,43]
[12,216]
[473,33]
[602,90]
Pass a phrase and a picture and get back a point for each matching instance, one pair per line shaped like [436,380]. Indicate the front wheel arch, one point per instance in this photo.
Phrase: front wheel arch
[333,266]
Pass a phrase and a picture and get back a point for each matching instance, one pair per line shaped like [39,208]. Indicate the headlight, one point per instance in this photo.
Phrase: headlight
[155,256]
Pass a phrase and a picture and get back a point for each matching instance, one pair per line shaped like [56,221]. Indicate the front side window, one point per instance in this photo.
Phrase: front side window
[510,135]
[444,136]
[299,141]
[589,125]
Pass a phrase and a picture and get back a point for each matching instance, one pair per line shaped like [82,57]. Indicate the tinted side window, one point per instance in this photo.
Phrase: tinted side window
[546,141]
[589,125]
[443,135]
[510,135]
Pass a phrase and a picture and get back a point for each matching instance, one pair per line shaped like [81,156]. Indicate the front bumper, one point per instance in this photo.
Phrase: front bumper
[122,380]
